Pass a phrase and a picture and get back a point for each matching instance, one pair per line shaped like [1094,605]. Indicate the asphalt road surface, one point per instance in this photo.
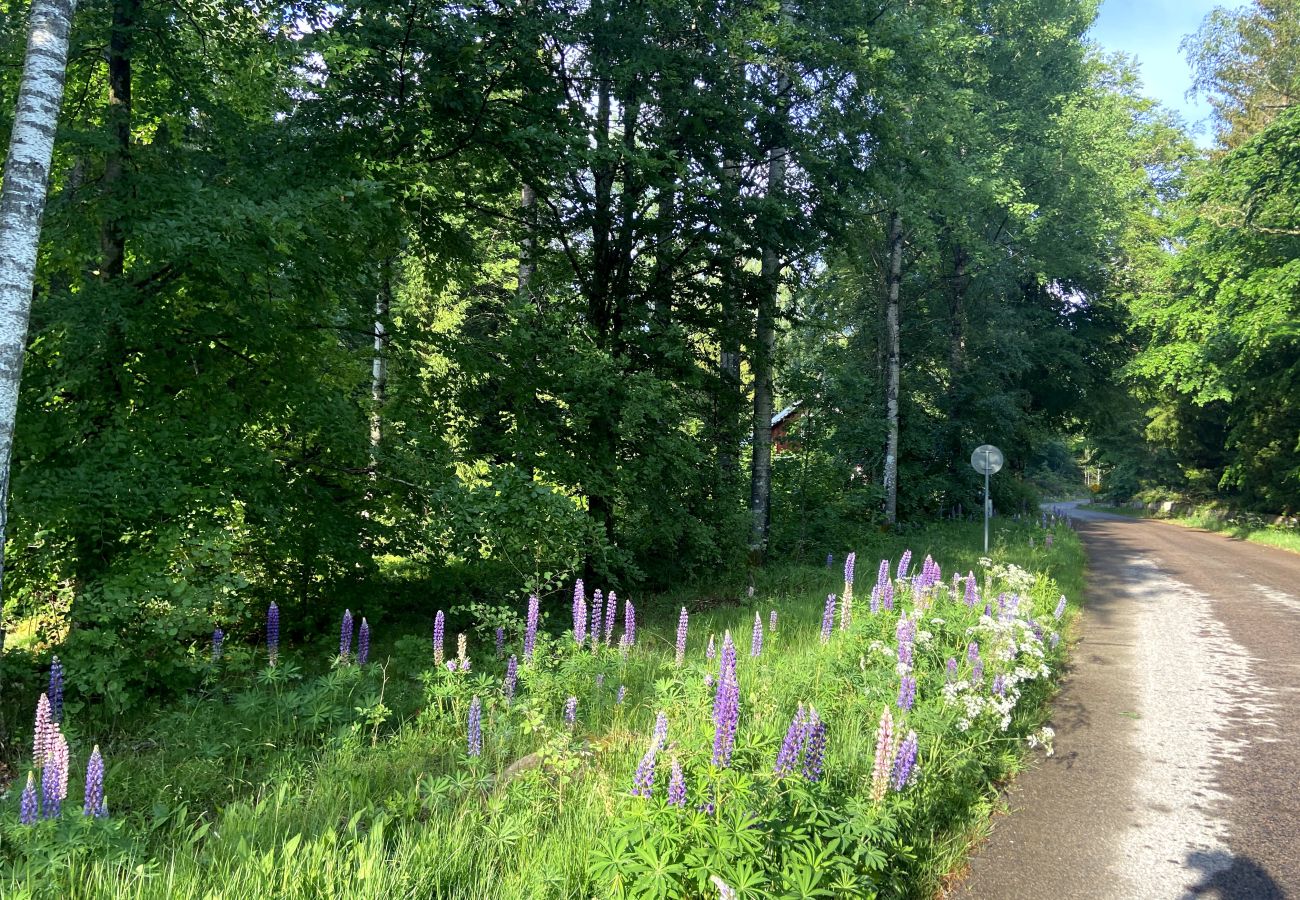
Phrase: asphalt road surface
[1176,771]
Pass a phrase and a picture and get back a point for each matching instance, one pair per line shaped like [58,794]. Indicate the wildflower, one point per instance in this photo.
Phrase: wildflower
[56,691]
[792,747]
[906,693]
[971,597]
[814,747]
[363,642]
[600,680]
[882,573]
[611,612]
[629,622]
[571,711]
[756,642]
[952,668]
[884,764]
[846,608]
[27,808]
[273,632]
[1000,684]
[726,705]
[1047,541]
[475,731]
[724,891]
[579,613]
[512,673]
[94,802]
[597,616]
[681,637]
[54,777]
[887,595]
[345,635]
[439,632]
[530,633]
[830,560]
[972,652]
[904,563]
[905,762]
[501,642]
[1054,640]
[828,618]
[771,621]
[218,638]
[677,785]
[622,692]
[43,733]
[1060,608]
[462,646]
[710,653]
[977,670]
[661,729]
[643,781]
[849,562]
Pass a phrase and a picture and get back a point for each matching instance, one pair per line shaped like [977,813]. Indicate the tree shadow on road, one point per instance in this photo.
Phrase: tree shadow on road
[1230,877]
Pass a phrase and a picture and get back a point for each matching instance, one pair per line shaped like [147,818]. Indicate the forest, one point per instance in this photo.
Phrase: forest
[419,306]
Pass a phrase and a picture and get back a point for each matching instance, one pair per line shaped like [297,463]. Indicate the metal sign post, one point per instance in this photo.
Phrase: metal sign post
[987,460]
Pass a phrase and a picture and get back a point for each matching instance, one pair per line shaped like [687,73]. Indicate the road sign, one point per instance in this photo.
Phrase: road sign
[987,460]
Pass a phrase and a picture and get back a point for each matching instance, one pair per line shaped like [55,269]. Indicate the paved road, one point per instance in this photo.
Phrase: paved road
[1177,766]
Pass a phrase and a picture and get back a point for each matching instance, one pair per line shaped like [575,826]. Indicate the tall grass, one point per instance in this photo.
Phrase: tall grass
[357,784]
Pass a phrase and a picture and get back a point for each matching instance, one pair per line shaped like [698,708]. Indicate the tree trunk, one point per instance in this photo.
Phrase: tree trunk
[379,365]
[121,43]
[528,245]
[730,399]
[22,203]
[891,384]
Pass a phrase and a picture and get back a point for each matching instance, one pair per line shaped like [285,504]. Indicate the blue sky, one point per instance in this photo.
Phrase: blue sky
[1151,30]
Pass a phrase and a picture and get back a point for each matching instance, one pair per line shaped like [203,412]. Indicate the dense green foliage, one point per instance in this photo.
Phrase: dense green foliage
[304,780]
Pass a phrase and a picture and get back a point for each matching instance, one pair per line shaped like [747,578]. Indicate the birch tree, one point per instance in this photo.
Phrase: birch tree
[22,204]
[892,366]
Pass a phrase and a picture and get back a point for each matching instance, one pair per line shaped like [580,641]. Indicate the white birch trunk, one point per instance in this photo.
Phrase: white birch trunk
[891,384]
[22,204]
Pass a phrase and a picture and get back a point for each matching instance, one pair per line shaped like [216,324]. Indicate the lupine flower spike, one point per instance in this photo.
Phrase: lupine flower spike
[439,633]
[629,622]
[904,563]
[611,613]
[43,733]
[828,618]
[756,641]
[904,764]
[218,638]
[814,747]
[597,617]
[710,653]
[512,673]
[530,635]
[345,635]
[94,802]
[500,642]
[681,638]
[363,642]
[56,690]
[622,693]
[273,632]
[884,763]
[971,597]
[579,613]
[54,777]
[792,747]
[726,705]
[771,622]
[1060,608]
[677,785]
[27,810]
[475,730]
[906,693]
[571,710]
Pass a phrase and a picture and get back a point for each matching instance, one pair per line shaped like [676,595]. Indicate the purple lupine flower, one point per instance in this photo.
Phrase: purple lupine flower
[56,691]
[681,637]
[905,762]
[530,634]
[94,784]
[882,573]
[218,638]
[629,622]
[972,652]
[579,613]
[875,598]
[622,692]
[726,705]
[1060,608]
[905,632]
[1054,640]
[756,641]
[345,635]
[771,621]
[792,747]
[27,808]
[661,728]
[1038,630]
[474,733]
[708,681]
[887,595]
[952,669]
[828,618]
[814,751]
[677,785]
[439,633]
[904,563]
[54,777]
[643,781]
[512,674]
[1000,684]
[500,642]
[971,597]
[977,670]
[363,642]
[273,632]
[1047,541]
[830,560]
[849,562]
[43,733]
[906,693]
[597,617]
[571,711]
[710,653]
[611,613]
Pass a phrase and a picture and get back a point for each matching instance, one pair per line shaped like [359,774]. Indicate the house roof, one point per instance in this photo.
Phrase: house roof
[784,414]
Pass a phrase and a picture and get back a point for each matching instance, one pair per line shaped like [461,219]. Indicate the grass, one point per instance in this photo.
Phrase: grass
[356,783]
[1243,528]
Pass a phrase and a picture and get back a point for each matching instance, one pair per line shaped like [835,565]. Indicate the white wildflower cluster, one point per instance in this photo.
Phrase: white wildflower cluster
[1018,579]
[1042,738]
[1014,643]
